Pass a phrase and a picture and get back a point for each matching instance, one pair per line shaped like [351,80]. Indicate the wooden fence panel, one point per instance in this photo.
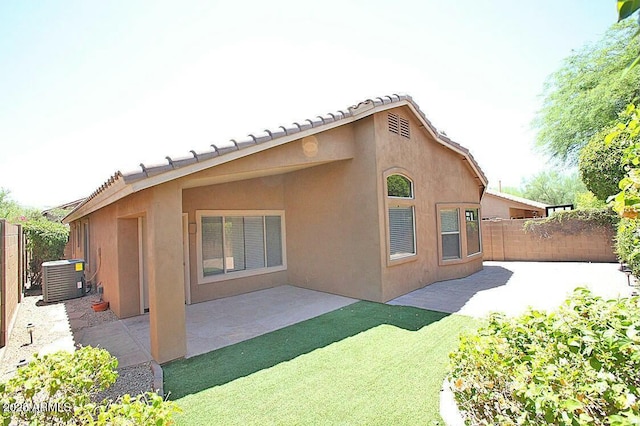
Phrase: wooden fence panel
[12,269]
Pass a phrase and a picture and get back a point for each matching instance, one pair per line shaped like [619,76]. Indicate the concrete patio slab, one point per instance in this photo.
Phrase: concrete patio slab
[115,338]
[511,287]
[222,322]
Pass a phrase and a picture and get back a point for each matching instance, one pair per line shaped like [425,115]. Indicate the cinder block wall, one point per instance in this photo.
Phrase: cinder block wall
[506,240]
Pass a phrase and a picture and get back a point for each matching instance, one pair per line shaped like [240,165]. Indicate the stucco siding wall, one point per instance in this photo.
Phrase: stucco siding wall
[332,221]
[506,240]
[122,291]
[264,193]
[496,207]
[439,176]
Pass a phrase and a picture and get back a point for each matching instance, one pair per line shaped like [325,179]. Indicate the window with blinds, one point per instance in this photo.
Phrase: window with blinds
[401,232]
[450,234]
[235,243]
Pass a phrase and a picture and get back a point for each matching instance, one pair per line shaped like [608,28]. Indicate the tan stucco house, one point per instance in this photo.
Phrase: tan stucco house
[500,205]
[371,202]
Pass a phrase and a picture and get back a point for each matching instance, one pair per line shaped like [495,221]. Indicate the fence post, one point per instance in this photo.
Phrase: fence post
[20,263]
[3,284]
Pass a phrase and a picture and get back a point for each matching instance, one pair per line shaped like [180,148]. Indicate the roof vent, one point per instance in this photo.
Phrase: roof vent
[399,125]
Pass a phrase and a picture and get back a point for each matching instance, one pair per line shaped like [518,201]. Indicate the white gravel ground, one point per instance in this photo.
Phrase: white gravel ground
[54,325]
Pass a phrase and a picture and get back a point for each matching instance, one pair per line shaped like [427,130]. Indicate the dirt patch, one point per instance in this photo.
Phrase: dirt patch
[54,325]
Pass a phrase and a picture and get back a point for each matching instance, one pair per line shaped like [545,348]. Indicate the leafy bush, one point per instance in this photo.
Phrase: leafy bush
[627,131]
[601,165]
[587,200]
[628,244]
[574,366]
[573,222]
[45,241]
[58,388]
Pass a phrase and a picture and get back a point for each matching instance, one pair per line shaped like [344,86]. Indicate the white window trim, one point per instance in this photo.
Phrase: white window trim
[394,197]
[238,274]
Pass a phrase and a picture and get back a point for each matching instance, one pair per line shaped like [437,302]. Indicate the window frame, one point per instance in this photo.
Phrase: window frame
[478,221]
[399,202]
[462,229]
[458,233]
[86,242]
[225,276]
[395,197]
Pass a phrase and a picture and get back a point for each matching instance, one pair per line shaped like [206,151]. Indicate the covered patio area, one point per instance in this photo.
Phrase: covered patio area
[218,323]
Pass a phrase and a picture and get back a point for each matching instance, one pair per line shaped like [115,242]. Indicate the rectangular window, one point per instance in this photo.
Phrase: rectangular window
[402,240]
[450,233]
[239,245]
[473,231]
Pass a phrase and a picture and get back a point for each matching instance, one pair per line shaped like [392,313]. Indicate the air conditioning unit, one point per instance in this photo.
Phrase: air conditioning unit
[62,280]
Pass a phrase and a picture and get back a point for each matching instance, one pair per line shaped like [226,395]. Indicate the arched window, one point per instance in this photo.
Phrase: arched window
[401,211]
[399,186]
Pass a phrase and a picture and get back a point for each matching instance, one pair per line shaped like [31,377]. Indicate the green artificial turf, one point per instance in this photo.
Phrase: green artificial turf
[367,363]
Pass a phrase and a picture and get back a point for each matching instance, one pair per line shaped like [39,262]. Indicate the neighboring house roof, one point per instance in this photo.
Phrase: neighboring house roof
[509,197]
[147,175]
[65,206]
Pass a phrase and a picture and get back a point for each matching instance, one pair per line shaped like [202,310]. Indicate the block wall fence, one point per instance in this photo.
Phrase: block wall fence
[506,240]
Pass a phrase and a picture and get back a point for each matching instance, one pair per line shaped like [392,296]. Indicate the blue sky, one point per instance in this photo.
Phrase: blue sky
[88,88]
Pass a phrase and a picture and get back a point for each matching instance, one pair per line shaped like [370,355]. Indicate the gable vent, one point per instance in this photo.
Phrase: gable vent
[394,124]
[399,125]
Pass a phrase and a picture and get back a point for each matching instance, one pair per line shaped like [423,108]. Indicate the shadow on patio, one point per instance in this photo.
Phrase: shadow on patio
[452,295]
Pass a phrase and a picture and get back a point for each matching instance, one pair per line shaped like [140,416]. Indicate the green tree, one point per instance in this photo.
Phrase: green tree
[587,200]
[626,8]
[513,190]
[601,165]
[553,187]
[587,93]
[9,209]
[46,241]
[14,212]
[398,186]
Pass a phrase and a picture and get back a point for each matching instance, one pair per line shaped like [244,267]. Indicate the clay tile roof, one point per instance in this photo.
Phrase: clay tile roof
[146,170]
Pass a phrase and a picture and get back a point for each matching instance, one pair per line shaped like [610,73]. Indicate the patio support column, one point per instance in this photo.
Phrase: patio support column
[167,328]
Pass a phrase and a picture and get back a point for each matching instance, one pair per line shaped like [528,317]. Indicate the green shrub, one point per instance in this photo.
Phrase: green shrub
[573,222]
[45,241]
[575,366]
[601,165]
[628,244]
[587,200]
[61,386]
